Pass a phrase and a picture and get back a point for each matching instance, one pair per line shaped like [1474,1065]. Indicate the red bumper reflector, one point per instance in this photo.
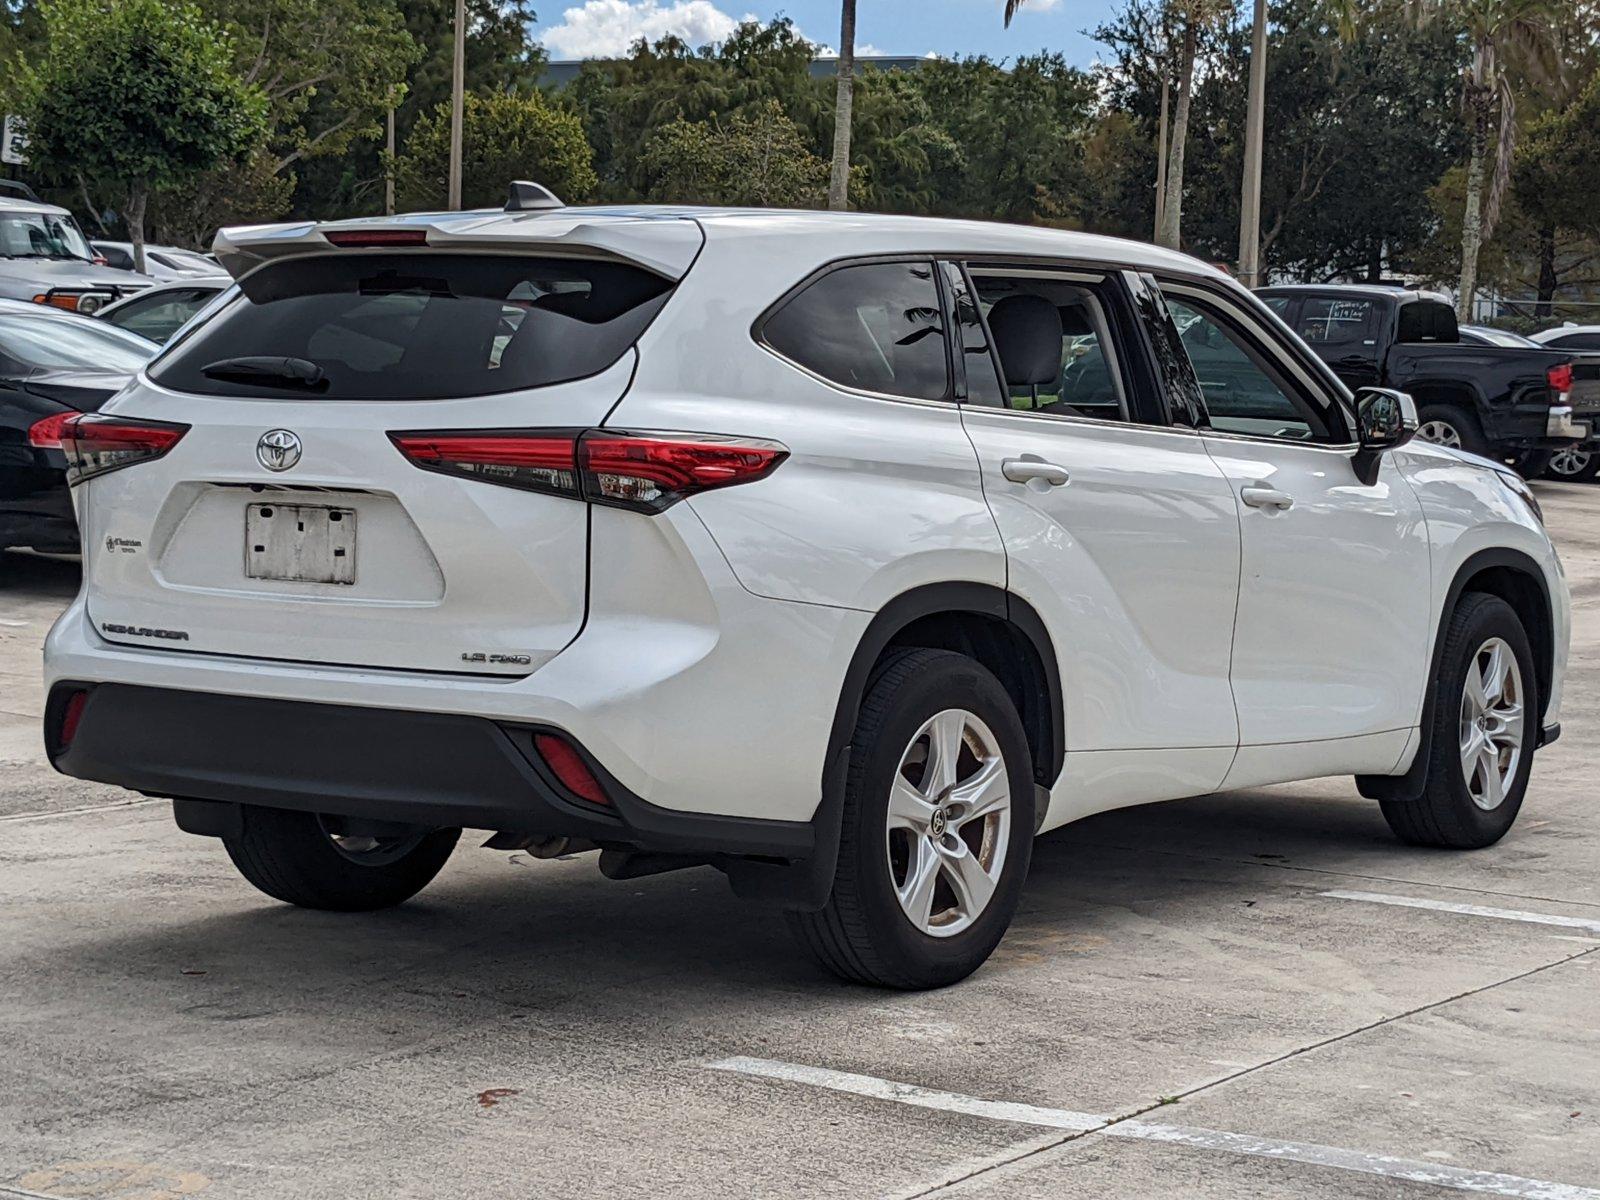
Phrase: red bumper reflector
[70,718]
[569,768]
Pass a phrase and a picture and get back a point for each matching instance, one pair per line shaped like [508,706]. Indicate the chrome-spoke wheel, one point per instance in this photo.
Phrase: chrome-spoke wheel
[1493,718]
[949,822]
[1570,460]
[1440,432]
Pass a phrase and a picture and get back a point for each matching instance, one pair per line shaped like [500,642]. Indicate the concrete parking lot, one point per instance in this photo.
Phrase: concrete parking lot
[1250,994]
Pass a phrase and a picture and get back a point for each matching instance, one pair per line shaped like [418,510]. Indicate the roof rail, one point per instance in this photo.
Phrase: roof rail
[527,196]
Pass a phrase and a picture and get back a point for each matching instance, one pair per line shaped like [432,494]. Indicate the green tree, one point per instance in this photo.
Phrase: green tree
[504,137]
[760,158]
[140,96]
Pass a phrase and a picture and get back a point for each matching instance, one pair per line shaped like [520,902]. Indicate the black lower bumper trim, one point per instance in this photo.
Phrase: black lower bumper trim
[1549,733]
[440,769]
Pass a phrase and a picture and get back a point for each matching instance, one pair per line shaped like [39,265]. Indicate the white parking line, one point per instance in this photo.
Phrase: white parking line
[1591,924]
[115,806]
[1490,1183]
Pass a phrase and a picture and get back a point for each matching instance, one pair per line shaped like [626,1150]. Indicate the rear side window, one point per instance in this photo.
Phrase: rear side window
[1325,321]
[874,326]
[416,326]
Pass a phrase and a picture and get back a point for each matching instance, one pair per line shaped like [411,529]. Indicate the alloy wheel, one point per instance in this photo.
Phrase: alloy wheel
[1493,718]
[1569,461]
[1440,432]
[949,823]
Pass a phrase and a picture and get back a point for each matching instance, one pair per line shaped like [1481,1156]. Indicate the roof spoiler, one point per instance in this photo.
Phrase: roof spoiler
[527,196]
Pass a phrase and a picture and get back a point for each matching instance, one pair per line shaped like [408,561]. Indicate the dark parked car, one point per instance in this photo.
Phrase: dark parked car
[1508,403]
[52,365]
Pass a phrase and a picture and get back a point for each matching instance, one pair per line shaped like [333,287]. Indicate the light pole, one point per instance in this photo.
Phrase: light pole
[457,105]
[1254,126]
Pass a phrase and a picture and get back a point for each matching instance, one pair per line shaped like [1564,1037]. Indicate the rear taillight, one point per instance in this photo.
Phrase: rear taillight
[568,766]
[1560,377]
[96,444]
[646,472]
[46,434]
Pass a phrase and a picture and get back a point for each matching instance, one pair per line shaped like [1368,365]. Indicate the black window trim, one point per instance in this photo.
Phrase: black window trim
[1309,375]
[932,258]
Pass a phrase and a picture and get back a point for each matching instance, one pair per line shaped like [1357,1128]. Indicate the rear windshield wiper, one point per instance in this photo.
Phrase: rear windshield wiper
[269,371]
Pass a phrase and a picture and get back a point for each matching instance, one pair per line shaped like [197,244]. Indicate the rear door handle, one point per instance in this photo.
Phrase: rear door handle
[1257,496]
[1022,470]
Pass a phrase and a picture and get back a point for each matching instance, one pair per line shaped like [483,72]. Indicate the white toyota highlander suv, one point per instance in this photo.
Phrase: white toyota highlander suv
[842,553]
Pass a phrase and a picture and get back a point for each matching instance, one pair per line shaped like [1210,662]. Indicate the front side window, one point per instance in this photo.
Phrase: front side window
[1328,321]
[415,326]
[1054,345]
[1244,392]
[1575,341]
[873,326]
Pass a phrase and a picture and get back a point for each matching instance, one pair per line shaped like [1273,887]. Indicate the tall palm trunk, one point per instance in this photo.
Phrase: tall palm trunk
[844,103]
[1472,223]
[1170,233]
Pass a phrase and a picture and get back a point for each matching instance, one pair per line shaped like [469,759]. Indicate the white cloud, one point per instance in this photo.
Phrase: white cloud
[606,28]
[865,50]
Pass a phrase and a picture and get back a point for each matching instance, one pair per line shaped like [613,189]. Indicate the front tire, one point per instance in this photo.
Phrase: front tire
[303,859]
[1484,724]
[937,828]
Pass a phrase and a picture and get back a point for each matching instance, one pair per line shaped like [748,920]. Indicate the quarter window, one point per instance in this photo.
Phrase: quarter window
[873,326]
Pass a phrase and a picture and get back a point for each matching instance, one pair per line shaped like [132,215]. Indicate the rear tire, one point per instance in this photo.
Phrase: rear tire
[1531,464]
[1447,425]
[1478,759]
[292,856]
[1574,464]
[924,890]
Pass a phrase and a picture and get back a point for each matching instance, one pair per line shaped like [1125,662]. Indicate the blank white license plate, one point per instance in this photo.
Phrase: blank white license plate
[300,543]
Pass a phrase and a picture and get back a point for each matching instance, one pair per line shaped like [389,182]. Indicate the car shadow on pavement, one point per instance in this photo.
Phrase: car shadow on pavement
[508,931]
[39,576]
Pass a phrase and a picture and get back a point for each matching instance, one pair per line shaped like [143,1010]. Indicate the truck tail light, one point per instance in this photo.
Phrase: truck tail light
[1560,377]
[644,472]
[96,444]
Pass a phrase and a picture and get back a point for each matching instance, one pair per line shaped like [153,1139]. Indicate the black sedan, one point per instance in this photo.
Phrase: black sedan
[52,364]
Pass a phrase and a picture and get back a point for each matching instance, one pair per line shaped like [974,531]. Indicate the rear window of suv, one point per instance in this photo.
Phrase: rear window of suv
[415,327]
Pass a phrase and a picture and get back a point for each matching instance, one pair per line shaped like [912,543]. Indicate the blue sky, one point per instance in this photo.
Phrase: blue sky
[589,28]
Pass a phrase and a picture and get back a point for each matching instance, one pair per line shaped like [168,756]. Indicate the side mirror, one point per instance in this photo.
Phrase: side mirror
[1384,419]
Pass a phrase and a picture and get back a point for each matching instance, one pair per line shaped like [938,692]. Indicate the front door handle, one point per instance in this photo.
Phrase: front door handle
[1023,470]
[1257,496]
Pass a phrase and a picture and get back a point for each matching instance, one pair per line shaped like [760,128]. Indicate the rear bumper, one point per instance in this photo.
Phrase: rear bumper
[436,769]
[1563,425]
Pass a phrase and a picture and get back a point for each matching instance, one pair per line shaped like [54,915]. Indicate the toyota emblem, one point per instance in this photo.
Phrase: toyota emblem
[278,449]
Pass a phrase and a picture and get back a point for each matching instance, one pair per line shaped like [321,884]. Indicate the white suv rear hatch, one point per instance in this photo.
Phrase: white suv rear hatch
[287,524]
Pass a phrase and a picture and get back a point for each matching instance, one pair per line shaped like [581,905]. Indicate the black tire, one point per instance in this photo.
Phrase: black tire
[1445,815]
[1468,433]
[1579,464]
[291,857]
[1531,464]
[863,934]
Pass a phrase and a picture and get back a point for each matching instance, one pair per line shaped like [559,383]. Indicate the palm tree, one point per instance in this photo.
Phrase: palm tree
[1194,15]
[844,101]
[1508,37]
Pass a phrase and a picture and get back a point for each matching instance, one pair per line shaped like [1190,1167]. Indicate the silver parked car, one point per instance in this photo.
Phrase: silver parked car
[45,258]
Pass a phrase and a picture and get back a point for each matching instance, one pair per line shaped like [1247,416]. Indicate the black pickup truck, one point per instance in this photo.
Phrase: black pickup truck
[1507,403]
